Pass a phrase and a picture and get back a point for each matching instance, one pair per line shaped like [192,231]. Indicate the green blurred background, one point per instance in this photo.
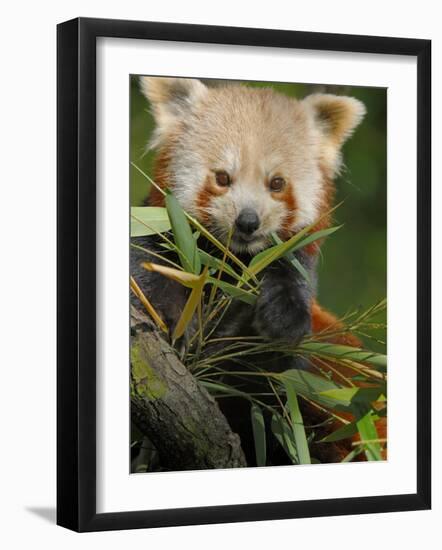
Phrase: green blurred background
[352,271]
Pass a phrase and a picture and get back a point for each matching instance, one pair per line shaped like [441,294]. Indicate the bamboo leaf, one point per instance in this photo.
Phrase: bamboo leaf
[221,247]
[368,433]
[298,265]
[269,255]
[148,220]
[191,305]
[284,435]
[266,257]
[349,396]
[316,236]
[259,434]
[188,280]
[216,263]
[352,454]
[297,424]
[293,260]
[309,385]
[345,352]
[149,307]
[216,387]
[234,291]
[344,432]
[183,235]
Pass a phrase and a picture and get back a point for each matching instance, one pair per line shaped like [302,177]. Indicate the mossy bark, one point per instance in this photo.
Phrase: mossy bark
[177,414]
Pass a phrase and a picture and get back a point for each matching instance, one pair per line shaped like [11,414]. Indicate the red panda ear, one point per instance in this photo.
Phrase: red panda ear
[171,99]
[337,116]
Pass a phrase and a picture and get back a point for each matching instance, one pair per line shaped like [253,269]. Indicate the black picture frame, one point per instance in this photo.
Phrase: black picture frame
[76,273]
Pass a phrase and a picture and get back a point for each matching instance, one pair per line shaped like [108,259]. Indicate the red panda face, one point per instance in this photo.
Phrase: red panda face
[243,181]
[248,162]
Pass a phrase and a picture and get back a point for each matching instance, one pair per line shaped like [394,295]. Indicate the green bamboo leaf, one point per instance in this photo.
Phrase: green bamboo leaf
[268,256]
[148,220]
[368,433]
[284,435]
[316,236]
[298,265]
[234,291]
[216,263]
[349,396]
[345,352]
[293,260]
[259,434]
[229,254]
[297,424]
[310,385]
[346,431]
[183,236]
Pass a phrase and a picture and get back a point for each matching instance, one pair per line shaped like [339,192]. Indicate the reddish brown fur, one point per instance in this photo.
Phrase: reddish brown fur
[325,205]
[209,190]
[161,175]
[322,321]
[288,197]
[328,196]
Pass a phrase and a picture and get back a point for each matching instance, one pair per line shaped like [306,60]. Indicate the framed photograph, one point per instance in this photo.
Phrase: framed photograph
[235,206]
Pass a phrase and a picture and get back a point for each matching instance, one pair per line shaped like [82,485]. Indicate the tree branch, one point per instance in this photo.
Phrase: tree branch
[177,414]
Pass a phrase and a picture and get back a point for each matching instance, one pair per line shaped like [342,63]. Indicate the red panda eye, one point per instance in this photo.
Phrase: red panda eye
[223,179]
[277,184]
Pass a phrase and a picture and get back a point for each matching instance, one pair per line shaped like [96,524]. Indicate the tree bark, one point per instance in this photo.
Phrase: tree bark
[177,414]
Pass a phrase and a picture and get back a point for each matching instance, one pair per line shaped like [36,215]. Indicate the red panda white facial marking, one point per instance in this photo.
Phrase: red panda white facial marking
[232,149]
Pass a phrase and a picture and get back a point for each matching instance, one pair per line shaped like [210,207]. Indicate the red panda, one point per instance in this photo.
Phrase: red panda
[253,137]
[256,162]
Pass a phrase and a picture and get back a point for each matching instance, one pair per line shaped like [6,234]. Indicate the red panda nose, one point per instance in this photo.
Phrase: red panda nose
[247,221]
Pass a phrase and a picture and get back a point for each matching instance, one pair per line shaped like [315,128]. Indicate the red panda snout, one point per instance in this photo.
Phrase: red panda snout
[247,221]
